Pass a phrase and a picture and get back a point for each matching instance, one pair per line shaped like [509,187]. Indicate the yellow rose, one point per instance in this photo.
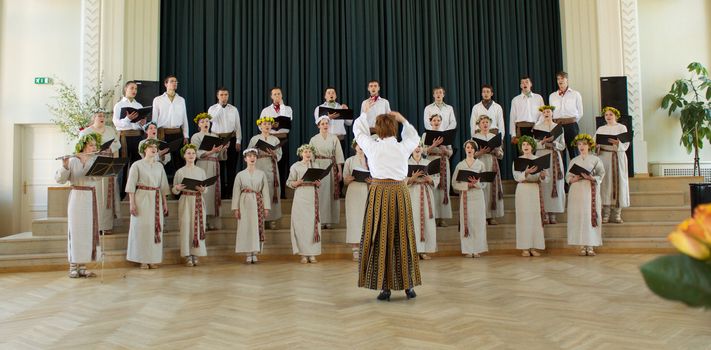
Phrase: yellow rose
[688,245]
[702,229]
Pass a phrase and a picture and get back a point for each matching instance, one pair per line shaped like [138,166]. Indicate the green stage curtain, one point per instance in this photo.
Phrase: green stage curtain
[409,46]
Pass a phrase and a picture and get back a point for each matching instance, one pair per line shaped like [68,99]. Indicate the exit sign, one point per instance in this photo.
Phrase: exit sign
[43,80]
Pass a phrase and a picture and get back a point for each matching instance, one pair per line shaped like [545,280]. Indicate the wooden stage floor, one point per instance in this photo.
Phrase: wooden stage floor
[507,302]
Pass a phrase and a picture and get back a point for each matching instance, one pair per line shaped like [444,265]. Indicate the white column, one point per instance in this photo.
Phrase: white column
[90,60]
[631,56]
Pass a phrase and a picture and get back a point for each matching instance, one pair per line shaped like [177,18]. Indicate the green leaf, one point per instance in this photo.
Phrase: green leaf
[680,278]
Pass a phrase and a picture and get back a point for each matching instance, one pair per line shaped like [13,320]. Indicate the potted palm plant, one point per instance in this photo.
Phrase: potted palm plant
[690,96]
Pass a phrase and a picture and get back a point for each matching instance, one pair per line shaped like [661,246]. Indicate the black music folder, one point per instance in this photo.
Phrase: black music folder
[494,142]
[315,174]
[143,113]
[192,184]
[106,145]
[264,146]
[540,134]
[106,166]
[484,176]
[447,135]
[173,146]
[360,175]
[281,122]
[602,139]
[344,114]
[542,162]
[208,142]
[578,170]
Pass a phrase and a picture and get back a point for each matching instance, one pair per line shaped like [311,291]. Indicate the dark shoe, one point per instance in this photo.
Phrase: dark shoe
[410,293]
[384,295]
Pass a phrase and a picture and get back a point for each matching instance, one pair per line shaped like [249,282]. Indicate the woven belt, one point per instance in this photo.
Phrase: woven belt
[198,223]
[260,211]
[157,227]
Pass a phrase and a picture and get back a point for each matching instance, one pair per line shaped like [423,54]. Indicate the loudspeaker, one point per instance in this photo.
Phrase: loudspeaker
[147,91]
[613,93]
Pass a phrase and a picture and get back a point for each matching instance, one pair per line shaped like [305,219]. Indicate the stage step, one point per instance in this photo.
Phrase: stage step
[28,244]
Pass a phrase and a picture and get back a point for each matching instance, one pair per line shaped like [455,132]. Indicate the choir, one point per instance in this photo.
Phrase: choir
[540,131]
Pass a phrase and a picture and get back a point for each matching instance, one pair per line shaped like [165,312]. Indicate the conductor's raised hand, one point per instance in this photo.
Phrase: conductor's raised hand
[398,117]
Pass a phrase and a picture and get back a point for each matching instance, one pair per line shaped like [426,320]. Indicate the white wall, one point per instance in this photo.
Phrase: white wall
[672,35]
[37,38]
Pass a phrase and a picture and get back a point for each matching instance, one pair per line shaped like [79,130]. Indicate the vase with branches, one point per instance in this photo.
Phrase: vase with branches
[72,111]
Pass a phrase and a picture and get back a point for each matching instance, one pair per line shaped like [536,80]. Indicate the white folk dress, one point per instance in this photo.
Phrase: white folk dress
[443,203]
[423,211]
[529,223]
[211,165]
[107,191]
[356,199]
[305,227]
[82,212]
[494,192]
[270,168]
[614,190]
[328,151]
[472,226]
[191,214]
[250,195]
[553,190]
[584,227]
[145,239]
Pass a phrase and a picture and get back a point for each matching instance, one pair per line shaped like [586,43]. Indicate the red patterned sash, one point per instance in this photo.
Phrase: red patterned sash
[424,193]
[498,192]
[198,223]
[557,173]
[95,218]
[260,211]
[317,219]
[334,171]
[157,227]
[465,213]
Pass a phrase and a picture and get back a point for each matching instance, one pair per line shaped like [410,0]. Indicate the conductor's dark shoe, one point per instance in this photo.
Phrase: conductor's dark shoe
[384,295]
[410,293]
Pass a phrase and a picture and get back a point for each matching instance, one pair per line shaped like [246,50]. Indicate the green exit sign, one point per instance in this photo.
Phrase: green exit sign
[43,80]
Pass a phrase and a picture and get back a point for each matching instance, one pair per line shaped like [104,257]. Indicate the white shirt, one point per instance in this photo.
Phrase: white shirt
[284,111]
[125,123]
[524,109]
[445,111]
[568,105]
[387,158]
[171,114]
[381,106]
[495,112]
[335,126]
[225,119]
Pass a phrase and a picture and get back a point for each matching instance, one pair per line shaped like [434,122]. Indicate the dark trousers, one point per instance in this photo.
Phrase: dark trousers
[176,161]
[283,165]
[228,169]
[129,150]
[570,131]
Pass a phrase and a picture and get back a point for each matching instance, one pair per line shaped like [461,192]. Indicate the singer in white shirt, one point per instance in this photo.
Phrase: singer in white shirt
[389,199]
[524,107]
[375,104]
[449,121]
[171,116]
[130,133]
[568,103]
[489,108]
[226,124]
[279,109]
